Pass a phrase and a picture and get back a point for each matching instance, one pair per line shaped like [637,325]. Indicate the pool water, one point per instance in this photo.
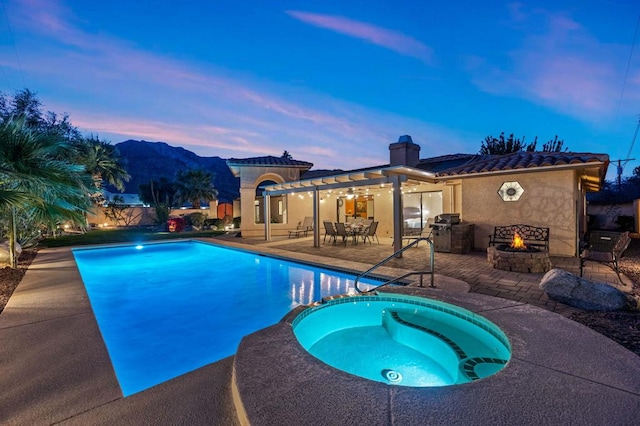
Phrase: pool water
[403,340]
[165,309]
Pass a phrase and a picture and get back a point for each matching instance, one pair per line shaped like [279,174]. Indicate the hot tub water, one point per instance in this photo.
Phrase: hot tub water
[403,340]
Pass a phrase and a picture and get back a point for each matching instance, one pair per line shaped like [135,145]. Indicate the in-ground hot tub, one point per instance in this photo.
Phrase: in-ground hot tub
[403,340]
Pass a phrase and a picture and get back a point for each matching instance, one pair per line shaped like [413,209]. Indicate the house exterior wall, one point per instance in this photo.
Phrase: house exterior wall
[383,210]
[250,178]
[449,197]
[550,199]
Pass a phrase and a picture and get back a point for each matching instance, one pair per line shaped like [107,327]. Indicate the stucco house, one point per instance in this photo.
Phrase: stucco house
[535,188]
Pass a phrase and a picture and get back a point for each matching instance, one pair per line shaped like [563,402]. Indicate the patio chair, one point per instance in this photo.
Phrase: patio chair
[605,247]
[341,231]
[370,232]
[329,231]
[414,234]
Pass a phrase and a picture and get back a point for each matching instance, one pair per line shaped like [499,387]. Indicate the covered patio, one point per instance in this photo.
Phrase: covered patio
[384,185]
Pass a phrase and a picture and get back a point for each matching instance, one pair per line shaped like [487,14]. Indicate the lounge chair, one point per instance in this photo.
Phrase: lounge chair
[370,232]
[307,225]
[329,231]
[416,233]
[303,228]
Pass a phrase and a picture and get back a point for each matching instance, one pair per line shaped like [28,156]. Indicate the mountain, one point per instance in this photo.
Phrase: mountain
[152,160]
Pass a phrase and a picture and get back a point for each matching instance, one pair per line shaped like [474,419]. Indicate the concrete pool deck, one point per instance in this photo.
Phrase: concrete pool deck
[55,367]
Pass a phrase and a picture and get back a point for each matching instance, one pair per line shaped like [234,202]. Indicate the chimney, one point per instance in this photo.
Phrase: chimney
[404,152]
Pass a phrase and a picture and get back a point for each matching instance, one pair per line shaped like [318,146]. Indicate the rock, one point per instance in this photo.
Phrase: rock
[4,253]
[578,292]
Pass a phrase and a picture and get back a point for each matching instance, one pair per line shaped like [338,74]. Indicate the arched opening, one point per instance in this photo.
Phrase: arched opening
[277,207]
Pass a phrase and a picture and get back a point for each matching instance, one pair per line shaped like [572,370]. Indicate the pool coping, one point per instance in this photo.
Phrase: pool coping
[56,368]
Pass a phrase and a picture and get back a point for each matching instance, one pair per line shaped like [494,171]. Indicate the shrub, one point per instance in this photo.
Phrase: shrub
[176,224]
[162,213]
[197,219]
[218,224]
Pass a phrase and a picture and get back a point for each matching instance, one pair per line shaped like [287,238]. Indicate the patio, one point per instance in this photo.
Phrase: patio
[472,268]
[56,368]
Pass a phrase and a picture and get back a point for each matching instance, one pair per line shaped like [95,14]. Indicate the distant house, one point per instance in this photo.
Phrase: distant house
[536,188]
[132,200]
[616,207]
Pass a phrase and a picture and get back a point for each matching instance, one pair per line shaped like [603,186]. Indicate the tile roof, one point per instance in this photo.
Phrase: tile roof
[314,174]
[268,160]
[443,162]
[522,160]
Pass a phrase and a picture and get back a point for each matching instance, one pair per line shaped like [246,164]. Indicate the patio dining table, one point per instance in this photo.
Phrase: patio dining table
[355,230]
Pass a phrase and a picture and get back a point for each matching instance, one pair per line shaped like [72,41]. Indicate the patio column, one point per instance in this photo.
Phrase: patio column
[267,216]
[397,214]
[316,217]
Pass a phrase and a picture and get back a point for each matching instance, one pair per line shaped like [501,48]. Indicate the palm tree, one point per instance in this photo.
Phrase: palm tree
[102,160]
[35,183]
[194,186]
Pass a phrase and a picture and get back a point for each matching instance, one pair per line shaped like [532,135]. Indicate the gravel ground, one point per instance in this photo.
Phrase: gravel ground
[623,327]
[9,278]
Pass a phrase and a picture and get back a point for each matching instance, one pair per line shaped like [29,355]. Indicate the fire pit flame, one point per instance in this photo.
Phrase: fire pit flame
[518,243]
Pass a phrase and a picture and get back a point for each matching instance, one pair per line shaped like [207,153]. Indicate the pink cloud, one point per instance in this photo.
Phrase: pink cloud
[45,14]
[112,88]
[389,39]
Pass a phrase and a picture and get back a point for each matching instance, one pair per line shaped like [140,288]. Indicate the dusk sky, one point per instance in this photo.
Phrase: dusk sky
[332,82]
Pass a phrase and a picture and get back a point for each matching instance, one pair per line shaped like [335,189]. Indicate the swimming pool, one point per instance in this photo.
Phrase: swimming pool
[403,340]
[165,309]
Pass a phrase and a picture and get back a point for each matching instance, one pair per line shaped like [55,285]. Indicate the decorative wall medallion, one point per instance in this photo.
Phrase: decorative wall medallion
[510,191]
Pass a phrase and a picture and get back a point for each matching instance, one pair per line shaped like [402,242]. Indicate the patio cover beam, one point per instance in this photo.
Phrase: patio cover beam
[410,173]
[325,187]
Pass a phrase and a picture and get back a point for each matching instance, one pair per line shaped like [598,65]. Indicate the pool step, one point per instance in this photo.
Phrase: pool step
[467,365]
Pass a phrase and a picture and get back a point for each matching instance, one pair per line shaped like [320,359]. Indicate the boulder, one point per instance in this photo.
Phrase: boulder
[4,253]
[579,292]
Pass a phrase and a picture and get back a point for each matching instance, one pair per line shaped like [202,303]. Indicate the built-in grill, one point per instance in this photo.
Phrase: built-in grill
[441,229]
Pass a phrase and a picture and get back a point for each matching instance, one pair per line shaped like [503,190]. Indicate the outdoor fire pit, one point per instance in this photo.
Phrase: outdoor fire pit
[518,257]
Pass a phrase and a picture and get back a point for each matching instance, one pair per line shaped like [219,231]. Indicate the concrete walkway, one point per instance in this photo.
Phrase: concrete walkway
[55,368]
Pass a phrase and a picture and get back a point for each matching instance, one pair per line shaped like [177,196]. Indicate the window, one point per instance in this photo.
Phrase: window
[418,208]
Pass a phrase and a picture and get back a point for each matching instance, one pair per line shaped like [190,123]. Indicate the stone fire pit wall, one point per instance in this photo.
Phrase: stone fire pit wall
[528,262]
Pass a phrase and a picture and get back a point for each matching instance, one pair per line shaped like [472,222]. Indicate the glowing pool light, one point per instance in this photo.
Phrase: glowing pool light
[403,340]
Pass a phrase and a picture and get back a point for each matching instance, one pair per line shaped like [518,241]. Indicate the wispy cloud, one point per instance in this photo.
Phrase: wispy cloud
[562,67]
[115,89]
[389,39]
